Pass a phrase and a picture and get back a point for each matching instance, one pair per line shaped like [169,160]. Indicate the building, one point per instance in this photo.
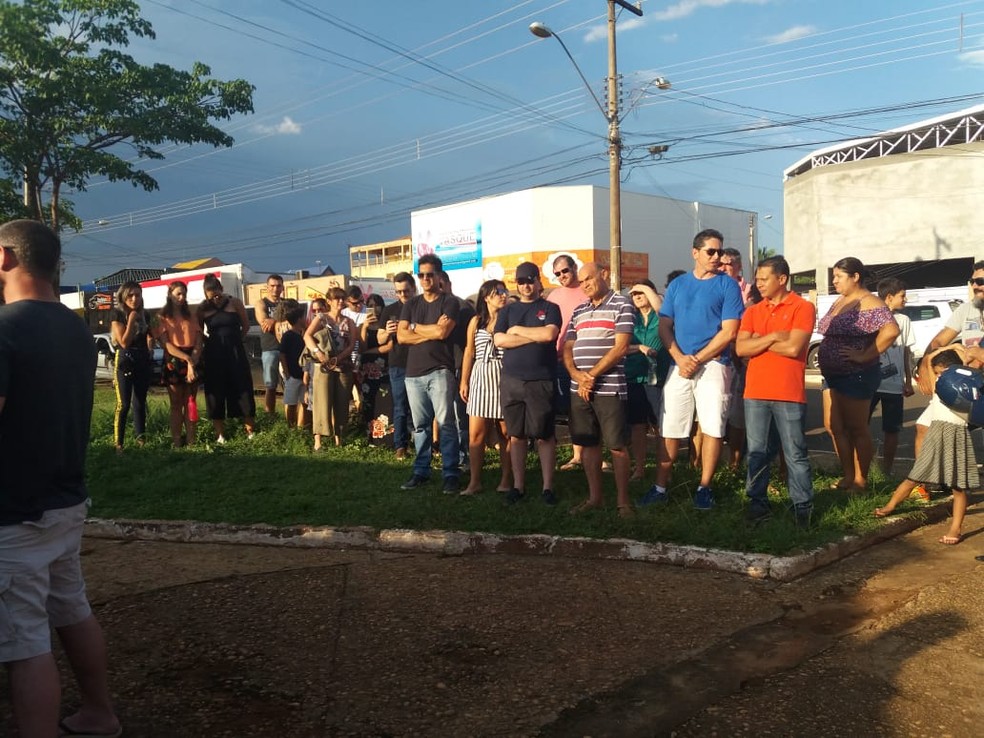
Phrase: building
[489,237]
[906,202]
[381,260]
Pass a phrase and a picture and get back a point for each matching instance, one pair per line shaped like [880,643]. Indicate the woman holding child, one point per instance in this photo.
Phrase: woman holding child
[330,338]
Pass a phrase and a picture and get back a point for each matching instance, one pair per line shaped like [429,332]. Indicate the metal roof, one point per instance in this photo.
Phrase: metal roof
[962,127]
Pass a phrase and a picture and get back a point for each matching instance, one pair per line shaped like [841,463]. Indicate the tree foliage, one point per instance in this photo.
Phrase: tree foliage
[72,104]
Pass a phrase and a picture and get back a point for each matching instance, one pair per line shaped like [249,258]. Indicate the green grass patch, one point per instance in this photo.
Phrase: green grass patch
[275,479]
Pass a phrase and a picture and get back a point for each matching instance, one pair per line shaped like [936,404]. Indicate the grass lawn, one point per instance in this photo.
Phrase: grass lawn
[275,479]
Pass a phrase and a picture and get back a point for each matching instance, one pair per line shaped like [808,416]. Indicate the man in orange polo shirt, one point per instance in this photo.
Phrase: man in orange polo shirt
[773,338]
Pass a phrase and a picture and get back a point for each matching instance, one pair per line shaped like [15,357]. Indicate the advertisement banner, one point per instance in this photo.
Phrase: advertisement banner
[456,237]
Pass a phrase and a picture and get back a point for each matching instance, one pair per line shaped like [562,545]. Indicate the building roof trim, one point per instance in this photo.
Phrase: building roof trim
[962,127]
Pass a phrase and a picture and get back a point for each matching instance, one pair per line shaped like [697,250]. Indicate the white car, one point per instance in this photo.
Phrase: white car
[928,319]
[106,359]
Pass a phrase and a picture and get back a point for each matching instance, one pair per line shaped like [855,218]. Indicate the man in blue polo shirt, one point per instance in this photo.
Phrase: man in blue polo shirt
[597,341]
[698,322]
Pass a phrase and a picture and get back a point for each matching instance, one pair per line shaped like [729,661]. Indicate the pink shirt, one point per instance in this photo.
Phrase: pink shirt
[566,298]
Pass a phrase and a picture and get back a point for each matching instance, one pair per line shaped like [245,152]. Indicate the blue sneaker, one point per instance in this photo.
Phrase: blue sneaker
[655,496]
[414,482]
[513,496]
[704,499]
[549,497]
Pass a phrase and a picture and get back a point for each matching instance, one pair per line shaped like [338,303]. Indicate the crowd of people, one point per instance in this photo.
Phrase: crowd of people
[716,360]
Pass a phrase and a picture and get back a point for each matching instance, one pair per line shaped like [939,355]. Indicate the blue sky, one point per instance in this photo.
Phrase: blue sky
[365,111]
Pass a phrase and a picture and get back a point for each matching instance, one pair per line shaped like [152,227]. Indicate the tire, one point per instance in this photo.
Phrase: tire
[813,357]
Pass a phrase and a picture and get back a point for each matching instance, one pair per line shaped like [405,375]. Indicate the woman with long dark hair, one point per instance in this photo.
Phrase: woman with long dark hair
[856,330]
[182,339]
[228,380]
[133,341]
[330,339]
[481,370]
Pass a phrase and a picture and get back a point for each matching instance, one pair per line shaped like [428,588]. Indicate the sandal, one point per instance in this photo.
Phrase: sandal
[626,511]
[881,512]
[586,506]
[571,465]
[949,540]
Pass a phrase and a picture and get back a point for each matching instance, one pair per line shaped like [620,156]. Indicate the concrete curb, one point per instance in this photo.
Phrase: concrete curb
[458,543]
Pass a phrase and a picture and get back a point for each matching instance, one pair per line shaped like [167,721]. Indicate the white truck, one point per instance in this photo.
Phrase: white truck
[928,309]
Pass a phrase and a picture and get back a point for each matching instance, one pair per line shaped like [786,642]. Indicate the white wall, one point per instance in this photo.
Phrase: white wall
[901,208]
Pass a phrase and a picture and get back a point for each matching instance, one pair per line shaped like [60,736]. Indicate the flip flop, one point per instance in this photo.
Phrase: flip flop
[571,466]
[67,731]
[949,540]
[882,513]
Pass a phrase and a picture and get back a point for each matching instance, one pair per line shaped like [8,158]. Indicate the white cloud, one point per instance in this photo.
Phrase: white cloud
[973,58]
[286,127]
[676,11]
[600,33]
[669,38]
[791,34]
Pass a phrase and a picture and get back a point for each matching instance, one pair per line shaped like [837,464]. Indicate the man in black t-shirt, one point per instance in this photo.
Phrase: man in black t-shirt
[425,327]
[47,368]
[265,309]
[527,331]
[405,289]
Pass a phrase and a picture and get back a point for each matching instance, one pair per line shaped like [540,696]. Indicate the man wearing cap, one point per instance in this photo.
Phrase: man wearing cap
[595,346]
[527,331]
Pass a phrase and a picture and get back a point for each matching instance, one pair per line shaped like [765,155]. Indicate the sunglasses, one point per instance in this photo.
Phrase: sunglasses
[425,275]
[501,291]
[713,252]
[317,310]
[977,281]
[525,280]
[562,271]
[404,292]
[637,293]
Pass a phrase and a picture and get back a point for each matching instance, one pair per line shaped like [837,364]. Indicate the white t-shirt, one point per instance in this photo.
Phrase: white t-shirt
[892,360]
[968,322]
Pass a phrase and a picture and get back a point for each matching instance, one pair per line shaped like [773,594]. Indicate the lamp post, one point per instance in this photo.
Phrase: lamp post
[614,136]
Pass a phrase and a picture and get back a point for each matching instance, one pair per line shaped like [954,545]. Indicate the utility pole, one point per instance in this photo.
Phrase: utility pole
[615,150]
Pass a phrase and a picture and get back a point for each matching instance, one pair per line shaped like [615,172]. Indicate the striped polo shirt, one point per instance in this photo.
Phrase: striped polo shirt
[592,329]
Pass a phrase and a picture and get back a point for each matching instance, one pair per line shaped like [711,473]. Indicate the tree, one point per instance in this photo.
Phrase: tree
[72,104]
[763,254]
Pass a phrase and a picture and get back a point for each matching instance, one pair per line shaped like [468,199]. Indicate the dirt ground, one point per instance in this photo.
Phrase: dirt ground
[223,640]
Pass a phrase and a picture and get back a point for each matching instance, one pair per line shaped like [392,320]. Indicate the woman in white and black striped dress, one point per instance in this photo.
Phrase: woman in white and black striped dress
[480,372]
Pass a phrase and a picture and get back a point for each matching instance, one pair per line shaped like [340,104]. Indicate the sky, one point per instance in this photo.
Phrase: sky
[365,111]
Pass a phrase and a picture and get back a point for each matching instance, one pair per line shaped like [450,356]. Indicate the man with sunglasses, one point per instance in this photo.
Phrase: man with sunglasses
[426,324]
[698,323]
[567,297]
[405,289]
[527,331]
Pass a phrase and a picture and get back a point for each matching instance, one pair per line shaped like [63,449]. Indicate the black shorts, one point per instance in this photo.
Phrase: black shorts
[892,411]
[527,407]
[602,419]
[638,411]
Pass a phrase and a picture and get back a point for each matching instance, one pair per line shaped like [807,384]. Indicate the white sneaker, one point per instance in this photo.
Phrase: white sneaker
[250,436]
[220,441]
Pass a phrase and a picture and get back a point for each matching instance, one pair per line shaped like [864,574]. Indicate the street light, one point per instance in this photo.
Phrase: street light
[614,137]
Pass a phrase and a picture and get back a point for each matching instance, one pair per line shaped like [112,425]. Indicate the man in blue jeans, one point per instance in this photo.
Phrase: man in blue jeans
[774,336]
[426,324]
[405,289]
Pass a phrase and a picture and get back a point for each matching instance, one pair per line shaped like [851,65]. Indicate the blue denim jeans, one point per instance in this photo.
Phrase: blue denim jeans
[401,407]
[431,398]
[790,424]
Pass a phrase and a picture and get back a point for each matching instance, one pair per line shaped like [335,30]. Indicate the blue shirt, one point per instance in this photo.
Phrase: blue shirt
[697,308]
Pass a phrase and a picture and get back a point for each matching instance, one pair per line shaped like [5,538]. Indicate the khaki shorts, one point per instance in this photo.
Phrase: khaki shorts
[41,583]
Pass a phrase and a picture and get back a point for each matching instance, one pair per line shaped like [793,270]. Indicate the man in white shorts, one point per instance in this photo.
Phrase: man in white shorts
[43,498]
[698,322]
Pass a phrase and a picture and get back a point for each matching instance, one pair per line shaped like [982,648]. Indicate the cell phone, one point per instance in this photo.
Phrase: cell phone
[375,311]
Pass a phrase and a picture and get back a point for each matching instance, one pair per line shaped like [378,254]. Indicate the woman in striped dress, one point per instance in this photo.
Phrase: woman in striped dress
[480,372]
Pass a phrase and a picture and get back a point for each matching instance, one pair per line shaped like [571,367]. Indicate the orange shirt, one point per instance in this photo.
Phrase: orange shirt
[769,375]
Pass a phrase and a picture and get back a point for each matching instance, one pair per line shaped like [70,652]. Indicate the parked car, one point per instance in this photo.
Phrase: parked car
[928,319]
[106,359]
